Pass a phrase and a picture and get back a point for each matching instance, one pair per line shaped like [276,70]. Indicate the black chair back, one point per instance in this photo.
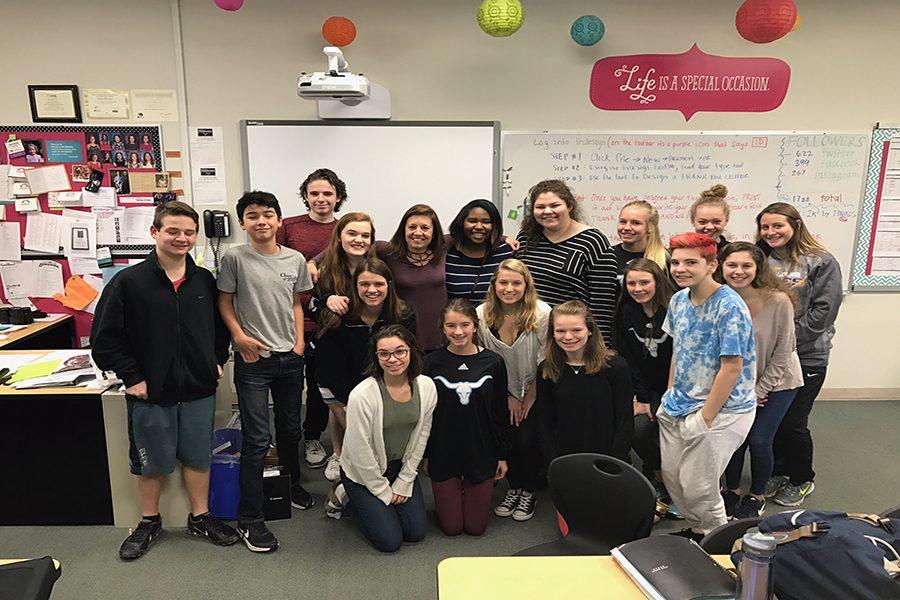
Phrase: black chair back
[720,539]
[604,501]
[891,513]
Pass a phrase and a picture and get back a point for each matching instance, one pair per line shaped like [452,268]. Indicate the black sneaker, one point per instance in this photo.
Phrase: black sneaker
[300,498]
[257,536]
[213,529]
[509,503]
[137,544]
[731,502]
[750,506]
[689,534]
[525,508]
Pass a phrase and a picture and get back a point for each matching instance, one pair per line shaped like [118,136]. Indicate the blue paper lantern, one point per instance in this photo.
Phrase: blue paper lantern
[587,30]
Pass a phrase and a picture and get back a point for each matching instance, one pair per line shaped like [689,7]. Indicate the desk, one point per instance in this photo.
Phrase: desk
[53,459]
[537,578]
[41,335]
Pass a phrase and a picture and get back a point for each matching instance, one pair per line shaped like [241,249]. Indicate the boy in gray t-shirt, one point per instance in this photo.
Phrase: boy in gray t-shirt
[260,285]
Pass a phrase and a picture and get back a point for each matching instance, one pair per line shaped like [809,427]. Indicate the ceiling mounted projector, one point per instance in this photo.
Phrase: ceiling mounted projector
[338,82]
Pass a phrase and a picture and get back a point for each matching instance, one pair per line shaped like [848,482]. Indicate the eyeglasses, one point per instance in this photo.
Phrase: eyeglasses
[399,354]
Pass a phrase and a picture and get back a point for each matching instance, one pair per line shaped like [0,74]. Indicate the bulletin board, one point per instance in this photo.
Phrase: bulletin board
[80,148]
[876,264]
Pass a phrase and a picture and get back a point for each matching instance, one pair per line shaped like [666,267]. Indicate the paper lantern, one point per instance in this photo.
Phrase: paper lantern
[500,18]
[229,4]
[339,31]
[587,30]
[797,23]
[764,21]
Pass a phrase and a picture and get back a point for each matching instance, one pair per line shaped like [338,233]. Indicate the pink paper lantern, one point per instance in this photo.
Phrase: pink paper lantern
[764,21]
[229,4]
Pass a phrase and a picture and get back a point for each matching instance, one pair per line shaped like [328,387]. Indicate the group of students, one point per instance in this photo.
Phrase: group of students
[444,354]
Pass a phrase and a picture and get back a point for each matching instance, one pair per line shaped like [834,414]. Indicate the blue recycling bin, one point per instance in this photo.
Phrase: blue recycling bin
[224,475]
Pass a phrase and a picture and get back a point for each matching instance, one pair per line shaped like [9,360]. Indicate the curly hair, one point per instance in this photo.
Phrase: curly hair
[340,189]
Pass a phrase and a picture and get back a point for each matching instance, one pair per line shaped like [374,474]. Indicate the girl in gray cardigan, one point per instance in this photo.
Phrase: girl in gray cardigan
[815,276]
[743,267]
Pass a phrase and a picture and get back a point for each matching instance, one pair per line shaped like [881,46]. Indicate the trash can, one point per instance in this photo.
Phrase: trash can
[224,474]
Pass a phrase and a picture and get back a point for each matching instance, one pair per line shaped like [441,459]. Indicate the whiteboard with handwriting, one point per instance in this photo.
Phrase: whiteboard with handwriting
[819,173]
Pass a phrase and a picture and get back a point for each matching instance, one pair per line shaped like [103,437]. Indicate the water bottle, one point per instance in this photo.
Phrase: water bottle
[757,578]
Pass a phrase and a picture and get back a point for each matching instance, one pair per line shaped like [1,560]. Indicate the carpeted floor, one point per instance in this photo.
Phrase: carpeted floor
[320,558]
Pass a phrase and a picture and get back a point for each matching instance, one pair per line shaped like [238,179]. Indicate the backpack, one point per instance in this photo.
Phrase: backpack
[825,555]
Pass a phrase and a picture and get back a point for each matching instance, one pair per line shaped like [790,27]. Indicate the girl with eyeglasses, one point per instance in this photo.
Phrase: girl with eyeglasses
[343,343]
[388,423]
[470,437]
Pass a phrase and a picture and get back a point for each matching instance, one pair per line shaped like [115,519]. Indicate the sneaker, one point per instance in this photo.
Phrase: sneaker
[662,497]
[333,468]
[257,537]
[673,513]
[334,504]
[314,453]
[775,484]
[731,501]
[300,498]
[509,504]
[750,506]
[213,529]
[137,544]
[794,495]
[689,534]
[525,508]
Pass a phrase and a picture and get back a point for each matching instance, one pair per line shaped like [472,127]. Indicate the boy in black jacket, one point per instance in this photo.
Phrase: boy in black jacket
[158,328]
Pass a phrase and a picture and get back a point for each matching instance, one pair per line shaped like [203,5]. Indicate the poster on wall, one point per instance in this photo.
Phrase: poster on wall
[689,82]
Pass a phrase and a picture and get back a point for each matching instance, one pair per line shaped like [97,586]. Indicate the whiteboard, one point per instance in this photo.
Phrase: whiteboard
[387,166]
[819,173]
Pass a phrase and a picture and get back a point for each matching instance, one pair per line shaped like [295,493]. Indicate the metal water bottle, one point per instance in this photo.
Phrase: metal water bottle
[757,577]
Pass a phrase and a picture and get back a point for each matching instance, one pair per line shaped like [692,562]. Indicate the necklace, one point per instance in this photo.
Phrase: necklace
[577,369]
[419,258]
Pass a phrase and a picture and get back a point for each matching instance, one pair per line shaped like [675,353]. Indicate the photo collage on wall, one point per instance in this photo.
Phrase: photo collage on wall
[122,154]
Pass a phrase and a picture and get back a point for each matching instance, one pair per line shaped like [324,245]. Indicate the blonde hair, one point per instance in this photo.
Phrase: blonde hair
[596,354]
[526,316]
[802,242]
[714,196]
[655,250]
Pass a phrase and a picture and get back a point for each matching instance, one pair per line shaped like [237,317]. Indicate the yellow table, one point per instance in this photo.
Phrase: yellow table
[537,578]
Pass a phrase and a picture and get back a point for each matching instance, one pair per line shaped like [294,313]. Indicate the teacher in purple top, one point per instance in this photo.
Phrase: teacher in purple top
[417,256]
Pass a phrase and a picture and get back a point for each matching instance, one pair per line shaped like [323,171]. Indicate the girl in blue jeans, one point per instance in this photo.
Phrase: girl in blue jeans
[388,424]
[743,267]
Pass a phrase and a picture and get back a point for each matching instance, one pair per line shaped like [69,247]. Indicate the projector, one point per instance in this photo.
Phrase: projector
[338,82]
[332,85]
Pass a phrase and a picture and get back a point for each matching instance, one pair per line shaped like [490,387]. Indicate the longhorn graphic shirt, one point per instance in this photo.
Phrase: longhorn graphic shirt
[470,429]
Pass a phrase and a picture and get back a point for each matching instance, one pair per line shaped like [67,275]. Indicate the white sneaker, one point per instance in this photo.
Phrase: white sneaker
[509,504]
[333,468]
[314,453]
[334,504]
[525,509]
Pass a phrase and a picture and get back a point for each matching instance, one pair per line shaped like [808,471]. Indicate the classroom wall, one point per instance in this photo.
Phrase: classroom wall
[439,66]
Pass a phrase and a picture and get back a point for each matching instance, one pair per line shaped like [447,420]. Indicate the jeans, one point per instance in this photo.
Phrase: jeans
[525,458]
[462,505]
[316,419]
[282,374]
[793,444]
[768,418]
[387,527]
[646,444]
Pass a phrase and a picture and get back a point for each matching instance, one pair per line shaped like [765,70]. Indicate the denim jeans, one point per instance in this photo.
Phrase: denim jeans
[387,527]
[768,418]
[282,374]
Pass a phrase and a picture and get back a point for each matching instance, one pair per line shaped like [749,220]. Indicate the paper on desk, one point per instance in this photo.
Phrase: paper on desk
[48,179]
[138,220]
[109,224]
[42,232]
[14,361]
[18,279]
[105,196]
[49,279]
[35,369]
[10,241]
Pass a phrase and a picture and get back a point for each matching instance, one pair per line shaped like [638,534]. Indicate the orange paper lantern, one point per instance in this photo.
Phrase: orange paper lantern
[764,21]
[339,31]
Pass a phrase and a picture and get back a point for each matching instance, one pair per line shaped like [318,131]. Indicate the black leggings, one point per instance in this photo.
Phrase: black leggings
[525,459]
[646,444]
[793,445]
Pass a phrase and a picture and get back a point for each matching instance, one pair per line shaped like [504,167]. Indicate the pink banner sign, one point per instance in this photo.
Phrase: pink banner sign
[689,82]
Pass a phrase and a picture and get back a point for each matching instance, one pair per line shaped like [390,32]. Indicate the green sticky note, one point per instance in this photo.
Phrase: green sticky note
[512,214]
[12,137]
[33,371]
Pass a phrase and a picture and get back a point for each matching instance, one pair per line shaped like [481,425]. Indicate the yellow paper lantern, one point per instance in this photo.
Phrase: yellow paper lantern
[500,18]
[797,22]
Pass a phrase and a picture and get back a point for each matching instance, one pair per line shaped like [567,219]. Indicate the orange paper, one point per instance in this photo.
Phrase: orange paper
[78,293]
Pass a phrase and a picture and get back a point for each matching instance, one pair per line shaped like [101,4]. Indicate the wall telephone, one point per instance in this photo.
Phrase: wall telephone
[216,223]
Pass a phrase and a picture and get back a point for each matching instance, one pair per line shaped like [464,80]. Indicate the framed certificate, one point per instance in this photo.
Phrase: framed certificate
[54,103]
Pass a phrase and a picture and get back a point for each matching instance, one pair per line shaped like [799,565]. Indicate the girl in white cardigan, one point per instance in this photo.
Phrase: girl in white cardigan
[388,423]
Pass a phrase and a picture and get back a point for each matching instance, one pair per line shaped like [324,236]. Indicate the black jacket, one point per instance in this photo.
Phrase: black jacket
[145,331]
[646,348]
